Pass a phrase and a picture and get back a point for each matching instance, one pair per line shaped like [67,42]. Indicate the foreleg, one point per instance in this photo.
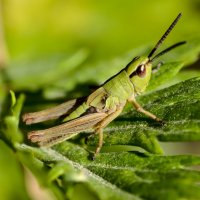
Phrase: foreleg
[139,108]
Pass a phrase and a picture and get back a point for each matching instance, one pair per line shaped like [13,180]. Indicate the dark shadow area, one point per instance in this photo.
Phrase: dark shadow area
[193,66]
[139,154]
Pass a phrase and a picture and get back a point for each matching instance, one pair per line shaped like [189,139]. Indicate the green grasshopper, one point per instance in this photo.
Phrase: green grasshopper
[101,107]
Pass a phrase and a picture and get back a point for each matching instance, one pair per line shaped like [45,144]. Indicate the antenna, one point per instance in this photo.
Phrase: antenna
[165,35]
[168,49]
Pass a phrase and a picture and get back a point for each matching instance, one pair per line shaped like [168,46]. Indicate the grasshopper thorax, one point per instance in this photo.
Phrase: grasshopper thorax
[139,72]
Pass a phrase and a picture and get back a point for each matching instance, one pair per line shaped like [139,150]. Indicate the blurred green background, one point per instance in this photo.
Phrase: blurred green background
[107,28]
[37,35]
[59,44]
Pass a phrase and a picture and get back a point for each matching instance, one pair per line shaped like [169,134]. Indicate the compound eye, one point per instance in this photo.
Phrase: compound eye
[141,71]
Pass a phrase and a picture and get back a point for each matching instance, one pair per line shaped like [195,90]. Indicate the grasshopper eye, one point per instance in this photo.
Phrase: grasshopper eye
[141,71]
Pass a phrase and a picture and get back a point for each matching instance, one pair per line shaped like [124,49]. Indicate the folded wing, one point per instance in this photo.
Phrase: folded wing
[65,131]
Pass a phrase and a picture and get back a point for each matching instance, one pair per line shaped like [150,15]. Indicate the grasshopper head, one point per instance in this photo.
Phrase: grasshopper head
[139,72]
[139,69]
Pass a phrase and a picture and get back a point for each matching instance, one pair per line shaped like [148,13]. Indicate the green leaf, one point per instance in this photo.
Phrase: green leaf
[11,122]
[59,163]
[44,72]
[11,176]
[163,75]
[126,175]
[13,98]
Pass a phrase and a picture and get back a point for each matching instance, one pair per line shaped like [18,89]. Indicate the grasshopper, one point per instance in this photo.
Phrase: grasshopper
[102,106]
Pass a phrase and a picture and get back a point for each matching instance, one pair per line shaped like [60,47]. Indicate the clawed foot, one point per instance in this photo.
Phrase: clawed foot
[92,155]
[96,152]
[160,121]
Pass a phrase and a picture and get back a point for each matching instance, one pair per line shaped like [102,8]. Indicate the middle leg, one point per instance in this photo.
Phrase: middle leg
[99,128]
